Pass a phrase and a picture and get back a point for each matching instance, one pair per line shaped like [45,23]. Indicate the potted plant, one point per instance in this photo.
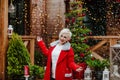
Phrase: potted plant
[98,66]
[37,72]
[17,57]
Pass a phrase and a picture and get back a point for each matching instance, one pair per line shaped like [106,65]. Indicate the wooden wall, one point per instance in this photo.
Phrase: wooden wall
[47,18]
[3,35]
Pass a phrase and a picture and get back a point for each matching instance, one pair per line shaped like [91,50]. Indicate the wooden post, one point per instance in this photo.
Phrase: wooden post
[32,42]
[3,36]
[113,42]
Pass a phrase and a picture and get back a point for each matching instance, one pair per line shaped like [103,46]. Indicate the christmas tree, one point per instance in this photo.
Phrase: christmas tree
[17,57]
[75,22]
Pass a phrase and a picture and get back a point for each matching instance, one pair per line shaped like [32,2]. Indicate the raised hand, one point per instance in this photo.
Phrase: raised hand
[39,38]
[79,69]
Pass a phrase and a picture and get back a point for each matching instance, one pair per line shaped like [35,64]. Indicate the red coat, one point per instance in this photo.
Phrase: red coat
[65,63]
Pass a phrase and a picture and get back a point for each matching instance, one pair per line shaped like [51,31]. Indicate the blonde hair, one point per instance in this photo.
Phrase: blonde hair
[65,31]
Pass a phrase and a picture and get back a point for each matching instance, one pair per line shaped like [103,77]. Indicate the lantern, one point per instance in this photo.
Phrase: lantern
[26,72]
[11,8]
[10,30]
[106,74]
[87,74]
[115,71]
[115,60]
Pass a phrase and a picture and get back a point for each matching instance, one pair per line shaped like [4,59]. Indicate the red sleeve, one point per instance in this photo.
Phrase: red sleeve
[43,47]
[71,62]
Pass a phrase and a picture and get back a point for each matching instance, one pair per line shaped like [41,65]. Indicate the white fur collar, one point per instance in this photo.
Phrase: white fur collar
[66,46]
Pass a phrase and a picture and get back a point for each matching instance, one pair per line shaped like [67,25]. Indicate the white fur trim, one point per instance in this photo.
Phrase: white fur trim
[66,46]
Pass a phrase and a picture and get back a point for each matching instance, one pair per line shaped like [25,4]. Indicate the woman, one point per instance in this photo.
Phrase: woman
[60,57]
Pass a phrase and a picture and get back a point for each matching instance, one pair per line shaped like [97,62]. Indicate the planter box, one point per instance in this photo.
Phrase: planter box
[38,79]
[23,78]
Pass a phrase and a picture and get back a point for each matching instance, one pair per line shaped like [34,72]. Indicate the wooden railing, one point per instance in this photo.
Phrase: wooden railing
[29,42]
[111,40]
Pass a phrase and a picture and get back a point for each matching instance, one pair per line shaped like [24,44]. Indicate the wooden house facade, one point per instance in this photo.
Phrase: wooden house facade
[45,17]
[40,23]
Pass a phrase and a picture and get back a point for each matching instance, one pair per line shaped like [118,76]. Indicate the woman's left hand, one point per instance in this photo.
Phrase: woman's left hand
[79,69]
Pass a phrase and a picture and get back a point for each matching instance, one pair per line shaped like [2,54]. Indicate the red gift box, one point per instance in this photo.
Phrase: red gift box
[79,75]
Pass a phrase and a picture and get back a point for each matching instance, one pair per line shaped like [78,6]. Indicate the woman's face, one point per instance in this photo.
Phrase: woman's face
[64,38]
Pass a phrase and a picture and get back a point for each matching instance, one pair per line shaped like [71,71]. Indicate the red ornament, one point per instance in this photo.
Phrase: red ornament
[82,55]
[83,14]
[73,20]
[67,20]
[26,70]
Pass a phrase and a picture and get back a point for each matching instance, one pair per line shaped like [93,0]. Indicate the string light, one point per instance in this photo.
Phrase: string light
[113,14]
